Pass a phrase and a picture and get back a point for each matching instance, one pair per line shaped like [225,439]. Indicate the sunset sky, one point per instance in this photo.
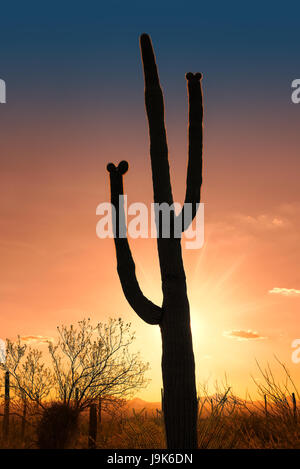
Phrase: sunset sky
[75,102]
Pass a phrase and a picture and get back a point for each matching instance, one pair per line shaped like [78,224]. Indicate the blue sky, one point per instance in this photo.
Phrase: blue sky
[51,43]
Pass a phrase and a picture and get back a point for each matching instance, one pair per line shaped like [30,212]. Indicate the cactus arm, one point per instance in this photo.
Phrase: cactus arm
[155,112]
[169,250]
[194,170]
[158,140]
[143,307]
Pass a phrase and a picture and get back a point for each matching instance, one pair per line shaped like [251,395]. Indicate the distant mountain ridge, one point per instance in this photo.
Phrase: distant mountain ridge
[139,404]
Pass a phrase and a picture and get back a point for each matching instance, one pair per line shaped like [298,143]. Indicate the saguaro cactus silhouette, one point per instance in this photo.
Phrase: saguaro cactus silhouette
[173,317]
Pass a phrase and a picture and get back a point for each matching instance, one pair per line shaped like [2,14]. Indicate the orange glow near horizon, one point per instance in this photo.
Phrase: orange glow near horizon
[55,270]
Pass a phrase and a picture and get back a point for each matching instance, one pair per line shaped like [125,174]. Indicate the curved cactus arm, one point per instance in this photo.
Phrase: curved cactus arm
[194,170]
[143,307]
[155,112]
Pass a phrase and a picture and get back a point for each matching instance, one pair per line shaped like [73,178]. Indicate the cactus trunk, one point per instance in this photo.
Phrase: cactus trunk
[178,371]
[178,367]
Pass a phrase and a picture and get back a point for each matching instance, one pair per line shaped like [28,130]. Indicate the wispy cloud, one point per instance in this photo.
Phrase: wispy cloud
[36,339]
[285,291]
[243,335]
[263,221]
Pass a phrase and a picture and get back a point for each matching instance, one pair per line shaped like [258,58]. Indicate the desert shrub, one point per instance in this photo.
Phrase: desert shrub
[57,427]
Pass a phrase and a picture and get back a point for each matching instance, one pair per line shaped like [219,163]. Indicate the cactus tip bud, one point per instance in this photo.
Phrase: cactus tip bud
[193,76]
[144,38]
[123,167]
[110,167]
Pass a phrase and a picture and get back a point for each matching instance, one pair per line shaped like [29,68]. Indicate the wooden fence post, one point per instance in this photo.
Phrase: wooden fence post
[99,410]
[92,427]
[294,407]
[77,396]
[162,400]
[266,405]
[23,425]
[6,407]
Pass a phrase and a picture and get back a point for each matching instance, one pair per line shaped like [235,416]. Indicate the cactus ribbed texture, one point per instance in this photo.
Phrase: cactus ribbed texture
[173,317]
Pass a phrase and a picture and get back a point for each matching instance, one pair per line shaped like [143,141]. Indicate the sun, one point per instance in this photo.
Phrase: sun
[197,325]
